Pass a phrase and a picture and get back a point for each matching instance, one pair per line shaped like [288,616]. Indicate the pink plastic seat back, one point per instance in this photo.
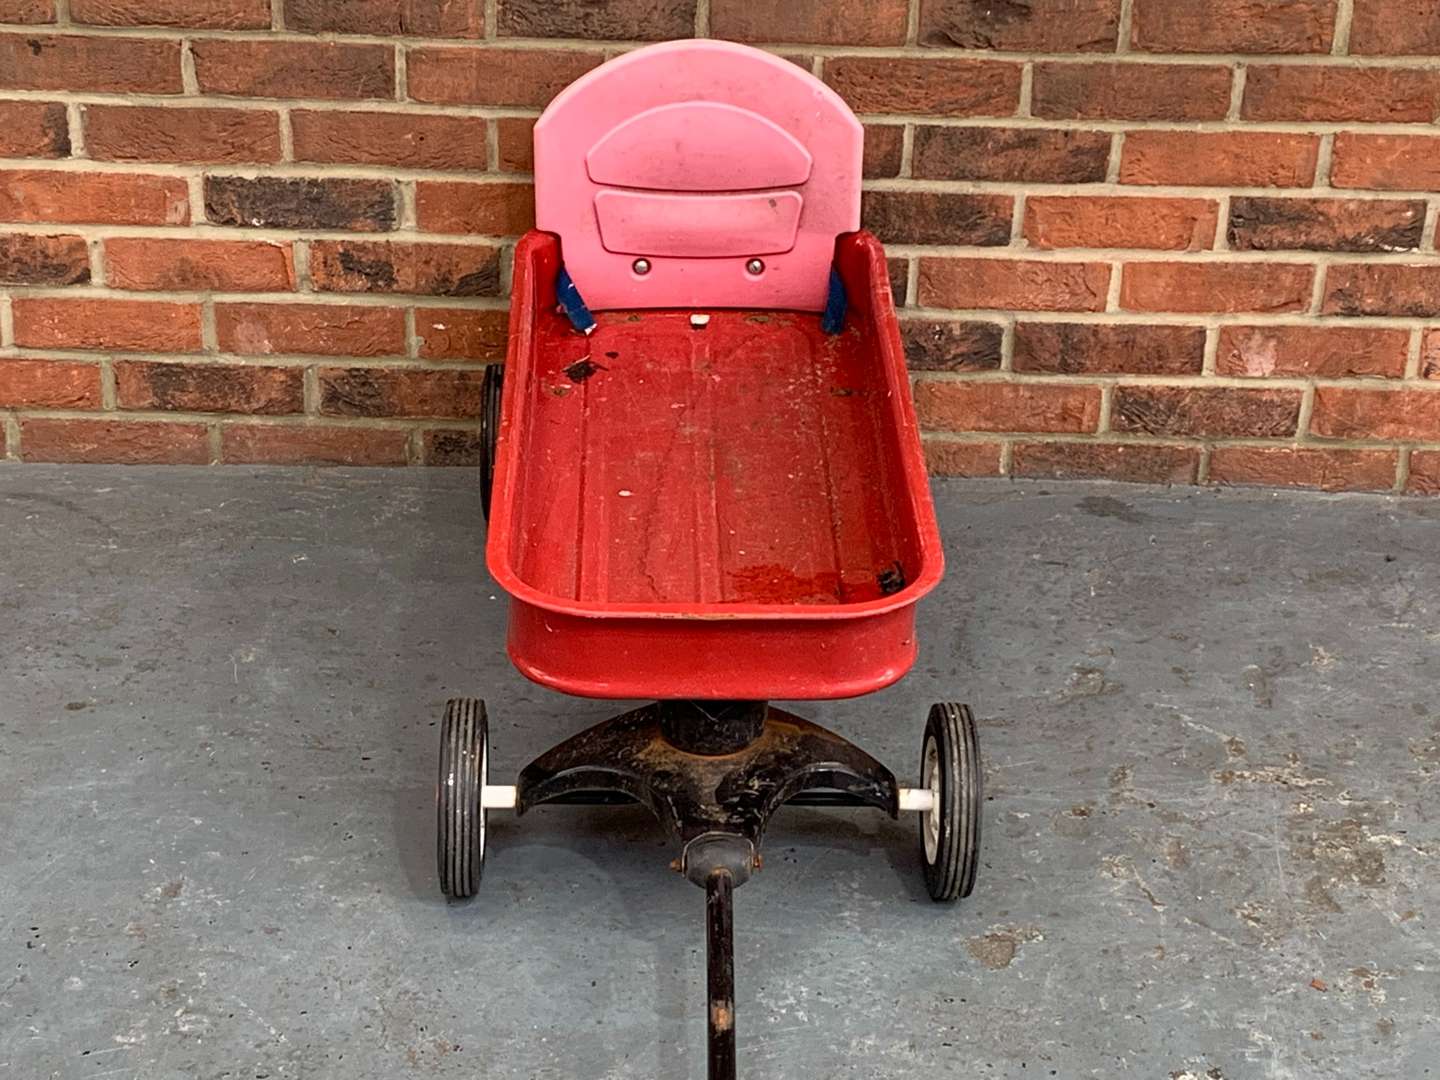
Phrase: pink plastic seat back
[699,158]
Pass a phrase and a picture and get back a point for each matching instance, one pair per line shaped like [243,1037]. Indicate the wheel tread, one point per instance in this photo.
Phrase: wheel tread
[952,875]
[460,824]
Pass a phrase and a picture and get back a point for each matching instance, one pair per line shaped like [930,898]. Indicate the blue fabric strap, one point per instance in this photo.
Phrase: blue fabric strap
[833,321]
[573,303]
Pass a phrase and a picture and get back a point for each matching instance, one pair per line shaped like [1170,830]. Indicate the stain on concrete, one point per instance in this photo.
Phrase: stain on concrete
[1343,853]
[1105,506]
[998,948]
[1122,868]
[1087,680]
[1293,773]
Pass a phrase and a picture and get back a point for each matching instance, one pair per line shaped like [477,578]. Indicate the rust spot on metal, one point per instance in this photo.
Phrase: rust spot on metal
[892,579]
[582,369]
[722,1015]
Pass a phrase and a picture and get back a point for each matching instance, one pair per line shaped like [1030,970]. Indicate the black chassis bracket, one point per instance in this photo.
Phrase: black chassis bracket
[712,773]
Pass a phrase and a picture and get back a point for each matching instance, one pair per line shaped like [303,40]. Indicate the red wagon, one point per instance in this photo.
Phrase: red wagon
[704,479]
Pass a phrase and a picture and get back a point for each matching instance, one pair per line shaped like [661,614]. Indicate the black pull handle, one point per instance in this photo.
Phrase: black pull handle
[720,971]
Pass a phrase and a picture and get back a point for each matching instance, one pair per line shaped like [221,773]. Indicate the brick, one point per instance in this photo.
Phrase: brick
[293,444]
[1127,91]
[231,388]
[509,77]
[128,442]
[312,329]
[625,20]
[275,202]
[1424,473]
[947,457]
[1340,94]
[934,217]
[1345,413]
[1177,286]
[1018,155]
[34,129]
[1094,349]
[125,133]
[43,260]
[1396,28]
[1205,412]
[1383,289]
[98,198]
[399,392]
[1032,26]
[198,265]
[1022,285]
[429,269]
[1219,159]
[937,87]
[1386,162]
[999,406]
[1331,352]
[192,14]
[405,140]
[947,345]
[461,333]
[452,447]
[455,206]
[48,384]
[1234,26]
[515,136]
[77,64]
[386,18]
[1258,224]
[1325,469]
[126,325]
[821,22]
[899,271]
[884,149]
[1135,463]
[1430,355]
[27,11]
[1120,222]
[294,69]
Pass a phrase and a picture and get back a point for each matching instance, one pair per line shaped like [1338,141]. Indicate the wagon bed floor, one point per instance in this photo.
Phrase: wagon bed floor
[1212,846]
[742,462]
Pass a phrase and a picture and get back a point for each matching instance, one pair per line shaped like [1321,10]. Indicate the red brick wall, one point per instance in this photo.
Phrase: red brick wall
[1144,239]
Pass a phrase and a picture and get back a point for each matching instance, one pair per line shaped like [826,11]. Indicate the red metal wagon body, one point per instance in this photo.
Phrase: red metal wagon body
[705,482]
[738,510]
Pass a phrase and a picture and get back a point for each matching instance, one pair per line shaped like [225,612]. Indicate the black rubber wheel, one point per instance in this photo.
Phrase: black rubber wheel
[950,830]
[460,819]
[491,388]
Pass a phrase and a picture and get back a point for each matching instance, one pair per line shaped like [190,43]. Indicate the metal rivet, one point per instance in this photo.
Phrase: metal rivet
[755,266]
[641,266]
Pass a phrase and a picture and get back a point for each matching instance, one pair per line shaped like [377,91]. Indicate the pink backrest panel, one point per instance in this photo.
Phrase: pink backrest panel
[698,157]
[690,146]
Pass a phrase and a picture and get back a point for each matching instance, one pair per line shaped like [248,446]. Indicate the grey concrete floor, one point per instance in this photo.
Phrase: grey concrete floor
[1212,738]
